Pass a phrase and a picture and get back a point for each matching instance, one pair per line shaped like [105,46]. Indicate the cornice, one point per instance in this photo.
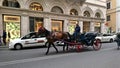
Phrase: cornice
[87,3]
[27,12]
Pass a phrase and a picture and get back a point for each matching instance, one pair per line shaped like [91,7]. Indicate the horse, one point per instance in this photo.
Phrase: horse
[56,36]
[53,37]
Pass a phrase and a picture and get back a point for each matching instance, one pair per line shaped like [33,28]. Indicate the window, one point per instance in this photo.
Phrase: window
[57,9]
[108,18]
[35,23]
[86,14]
[97,15]
[11,3]
[108,5]
[36,6]
[73,12]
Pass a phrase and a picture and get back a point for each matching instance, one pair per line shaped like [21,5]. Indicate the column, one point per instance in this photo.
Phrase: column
[1,24]
[47,23]
[24,25]
[81,25]
[65,25]
[92,27]
[103,28]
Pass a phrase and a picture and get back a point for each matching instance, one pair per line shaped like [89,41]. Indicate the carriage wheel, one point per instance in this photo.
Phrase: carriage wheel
[97,44]
[78,48]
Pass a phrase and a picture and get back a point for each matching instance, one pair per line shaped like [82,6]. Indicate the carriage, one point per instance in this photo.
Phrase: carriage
[82,41]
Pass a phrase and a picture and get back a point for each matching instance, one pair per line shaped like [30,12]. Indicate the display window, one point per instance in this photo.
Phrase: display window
[97,27]
[86,26]
[35,23]
[71,27]
[12,25]
[57,25]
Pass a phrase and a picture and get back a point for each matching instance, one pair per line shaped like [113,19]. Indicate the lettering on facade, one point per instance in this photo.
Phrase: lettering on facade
[12,18]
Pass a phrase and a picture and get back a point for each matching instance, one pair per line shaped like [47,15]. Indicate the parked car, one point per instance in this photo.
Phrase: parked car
[106,37]
[29,40]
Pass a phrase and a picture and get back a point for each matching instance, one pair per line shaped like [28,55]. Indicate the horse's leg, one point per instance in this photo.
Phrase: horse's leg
[66,45]
[55,47]
[49,45]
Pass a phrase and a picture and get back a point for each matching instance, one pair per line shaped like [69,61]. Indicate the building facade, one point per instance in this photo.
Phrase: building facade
[22,16]
[113,14]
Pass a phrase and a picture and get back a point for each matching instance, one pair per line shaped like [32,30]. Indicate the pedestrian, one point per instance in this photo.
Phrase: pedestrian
[76,32]
[4,37]
[9,36]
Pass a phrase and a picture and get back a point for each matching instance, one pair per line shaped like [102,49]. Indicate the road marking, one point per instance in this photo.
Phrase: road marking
[42,58]
[34,59]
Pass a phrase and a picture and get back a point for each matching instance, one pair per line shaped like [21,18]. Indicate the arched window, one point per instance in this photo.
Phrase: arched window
[11,3]
[86,14]
[73,12]
[97,15]
[57,9]
[36,6]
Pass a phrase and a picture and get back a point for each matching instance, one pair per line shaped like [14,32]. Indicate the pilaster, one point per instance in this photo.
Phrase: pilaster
[81,26]
[103,28]
[24,25]
[66,23]
[1,25]
[47,23]
[92,27]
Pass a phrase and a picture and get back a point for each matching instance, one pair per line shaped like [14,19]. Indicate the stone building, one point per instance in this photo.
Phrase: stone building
[113,14]
[23,16]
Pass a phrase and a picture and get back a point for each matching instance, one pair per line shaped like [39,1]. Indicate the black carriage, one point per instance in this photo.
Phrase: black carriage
[84,40]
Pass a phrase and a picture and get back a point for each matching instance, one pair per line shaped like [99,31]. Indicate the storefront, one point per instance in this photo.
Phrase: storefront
[97,27]
[86,26]
[35,23]
[57,25]
[71,27]
[11,24]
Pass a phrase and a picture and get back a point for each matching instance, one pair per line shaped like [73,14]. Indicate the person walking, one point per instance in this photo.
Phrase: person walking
[9,36]
[4,37]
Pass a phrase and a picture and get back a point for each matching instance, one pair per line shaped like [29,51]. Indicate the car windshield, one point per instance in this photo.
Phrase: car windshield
[33,35]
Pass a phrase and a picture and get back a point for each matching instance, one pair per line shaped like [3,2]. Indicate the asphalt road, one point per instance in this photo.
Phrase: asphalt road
[106,57]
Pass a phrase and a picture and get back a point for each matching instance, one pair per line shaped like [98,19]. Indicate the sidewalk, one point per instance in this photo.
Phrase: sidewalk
[4,46]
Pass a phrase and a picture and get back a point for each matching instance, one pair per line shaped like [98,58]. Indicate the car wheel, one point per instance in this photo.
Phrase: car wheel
[18,46]
[111,40]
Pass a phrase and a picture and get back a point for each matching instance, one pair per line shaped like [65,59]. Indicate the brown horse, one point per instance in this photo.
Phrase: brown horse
[56,36]
[53,37]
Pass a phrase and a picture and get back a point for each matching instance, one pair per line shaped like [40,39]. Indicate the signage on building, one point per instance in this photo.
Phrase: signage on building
[11,18]
[97,24]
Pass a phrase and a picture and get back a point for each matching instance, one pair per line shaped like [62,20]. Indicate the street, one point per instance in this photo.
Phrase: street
[106,57]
